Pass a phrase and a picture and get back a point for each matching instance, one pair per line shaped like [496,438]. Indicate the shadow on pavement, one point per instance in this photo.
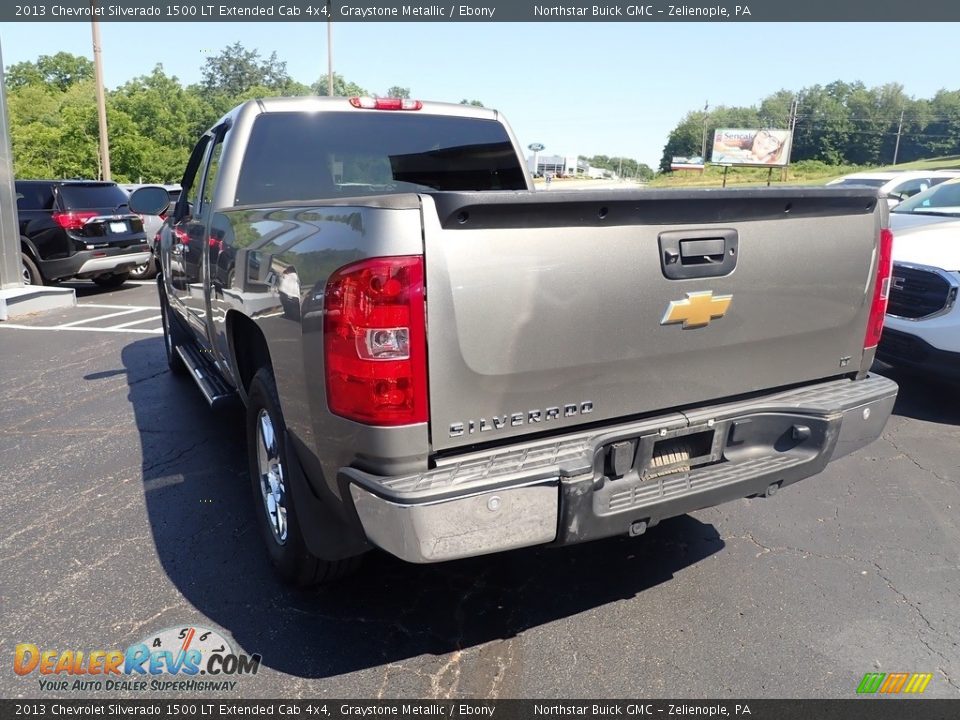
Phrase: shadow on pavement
[922,397]
[88,288]
[200,508]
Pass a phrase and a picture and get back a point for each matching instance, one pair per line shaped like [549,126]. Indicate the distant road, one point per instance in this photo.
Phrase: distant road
[589,185]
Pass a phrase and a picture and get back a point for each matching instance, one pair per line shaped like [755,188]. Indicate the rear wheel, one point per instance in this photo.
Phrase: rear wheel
[31,273]
[113,280]
[144,271]
[275,508]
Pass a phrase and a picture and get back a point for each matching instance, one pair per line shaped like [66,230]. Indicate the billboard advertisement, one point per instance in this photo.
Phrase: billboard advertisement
[762,148]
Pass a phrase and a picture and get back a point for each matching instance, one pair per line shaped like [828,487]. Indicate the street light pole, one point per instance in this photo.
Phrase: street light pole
[329,51]
[101,100]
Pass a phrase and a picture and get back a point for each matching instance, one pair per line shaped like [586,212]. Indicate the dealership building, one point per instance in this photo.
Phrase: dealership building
[566,166]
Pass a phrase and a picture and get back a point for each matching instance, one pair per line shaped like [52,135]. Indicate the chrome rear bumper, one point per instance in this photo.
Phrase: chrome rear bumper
[562,491]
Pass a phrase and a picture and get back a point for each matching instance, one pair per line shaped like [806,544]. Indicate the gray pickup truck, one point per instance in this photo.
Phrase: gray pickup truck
[438,361]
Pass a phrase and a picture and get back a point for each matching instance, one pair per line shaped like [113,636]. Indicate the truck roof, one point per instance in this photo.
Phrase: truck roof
[313,103]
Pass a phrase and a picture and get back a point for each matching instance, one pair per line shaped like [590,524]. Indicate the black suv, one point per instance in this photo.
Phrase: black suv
[78,229]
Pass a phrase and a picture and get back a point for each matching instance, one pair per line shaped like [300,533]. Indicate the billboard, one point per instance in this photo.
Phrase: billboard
[763,148]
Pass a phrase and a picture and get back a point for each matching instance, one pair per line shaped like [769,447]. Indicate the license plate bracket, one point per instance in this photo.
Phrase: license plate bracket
[680,450]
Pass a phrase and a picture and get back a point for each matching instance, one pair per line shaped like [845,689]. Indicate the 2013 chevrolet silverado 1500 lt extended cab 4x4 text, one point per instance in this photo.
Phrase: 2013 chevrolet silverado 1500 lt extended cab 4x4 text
[438,361]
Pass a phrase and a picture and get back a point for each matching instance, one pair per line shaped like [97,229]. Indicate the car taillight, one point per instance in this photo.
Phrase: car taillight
[369,103]
[881,290]
[73,220]
[375,346]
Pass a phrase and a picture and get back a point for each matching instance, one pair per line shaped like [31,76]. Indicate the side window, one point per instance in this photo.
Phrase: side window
[213,174]
[911,187]
[191,178]
[34,196]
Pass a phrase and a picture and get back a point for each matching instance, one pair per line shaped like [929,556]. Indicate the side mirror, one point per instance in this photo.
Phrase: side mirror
[150,200]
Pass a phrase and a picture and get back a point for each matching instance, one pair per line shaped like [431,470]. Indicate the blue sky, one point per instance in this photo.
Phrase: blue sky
[578,88]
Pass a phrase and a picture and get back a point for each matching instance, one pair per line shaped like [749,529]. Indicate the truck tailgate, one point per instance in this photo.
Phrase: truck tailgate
[551,310]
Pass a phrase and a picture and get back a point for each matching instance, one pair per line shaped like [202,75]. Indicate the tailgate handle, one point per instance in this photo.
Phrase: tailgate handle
[695,252]
[686,254]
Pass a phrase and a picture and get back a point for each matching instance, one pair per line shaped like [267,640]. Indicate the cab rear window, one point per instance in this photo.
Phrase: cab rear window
[78,196]
[312,156]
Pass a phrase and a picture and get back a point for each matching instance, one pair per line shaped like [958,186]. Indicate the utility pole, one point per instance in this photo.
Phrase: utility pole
[792,124]
[329,50]
[896,148]
[703,144]
[101,100]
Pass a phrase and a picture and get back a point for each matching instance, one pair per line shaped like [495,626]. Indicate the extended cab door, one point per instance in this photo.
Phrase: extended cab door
[190,238]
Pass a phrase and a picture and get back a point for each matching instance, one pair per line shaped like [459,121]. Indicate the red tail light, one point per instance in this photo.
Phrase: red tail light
[72,220]
[881,290]
[375,344]
[369,103]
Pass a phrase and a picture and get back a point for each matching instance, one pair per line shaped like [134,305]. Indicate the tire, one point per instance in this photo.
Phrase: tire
[113,280]
[275,509]
[146,271]
[31,273]
[172,336]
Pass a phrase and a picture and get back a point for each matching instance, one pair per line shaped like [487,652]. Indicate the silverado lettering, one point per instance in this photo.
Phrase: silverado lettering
[517,418]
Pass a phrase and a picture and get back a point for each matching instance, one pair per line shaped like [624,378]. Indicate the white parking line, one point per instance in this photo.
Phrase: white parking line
[121,310]
[79,329]
[134,322]
[98,317]
[119,307]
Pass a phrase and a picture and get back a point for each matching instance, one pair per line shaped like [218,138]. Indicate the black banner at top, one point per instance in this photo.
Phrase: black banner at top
[480,11]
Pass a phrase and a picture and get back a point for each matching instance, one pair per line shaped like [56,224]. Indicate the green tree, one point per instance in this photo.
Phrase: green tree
[472,103]
[341,87]
[398,92]
[235,70]
[166,119]
[58,71]
[684,140]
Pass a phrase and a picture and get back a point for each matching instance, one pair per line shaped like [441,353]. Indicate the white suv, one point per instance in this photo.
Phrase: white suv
[897,185]
[922,327]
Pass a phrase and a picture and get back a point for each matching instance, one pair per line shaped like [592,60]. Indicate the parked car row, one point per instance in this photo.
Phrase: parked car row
[897,185]
[83,229]
[78,229]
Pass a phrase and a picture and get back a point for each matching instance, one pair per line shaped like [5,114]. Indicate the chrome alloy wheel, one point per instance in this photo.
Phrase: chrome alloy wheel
[272,486]
[27,279]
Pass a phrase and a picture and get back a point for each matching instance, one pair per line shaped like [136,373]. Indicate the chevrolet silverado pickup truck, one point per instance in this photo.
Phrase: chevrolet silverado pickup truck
[436,360]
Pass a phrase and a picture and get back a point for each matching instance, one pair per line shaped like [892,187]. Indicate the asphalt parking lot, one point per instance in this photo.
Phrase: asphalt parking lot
[127,511]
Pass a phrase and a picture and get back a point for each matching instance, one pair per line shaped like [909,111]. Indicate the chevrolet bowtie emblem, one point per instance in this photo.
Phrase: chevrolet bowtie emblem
[697,310]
